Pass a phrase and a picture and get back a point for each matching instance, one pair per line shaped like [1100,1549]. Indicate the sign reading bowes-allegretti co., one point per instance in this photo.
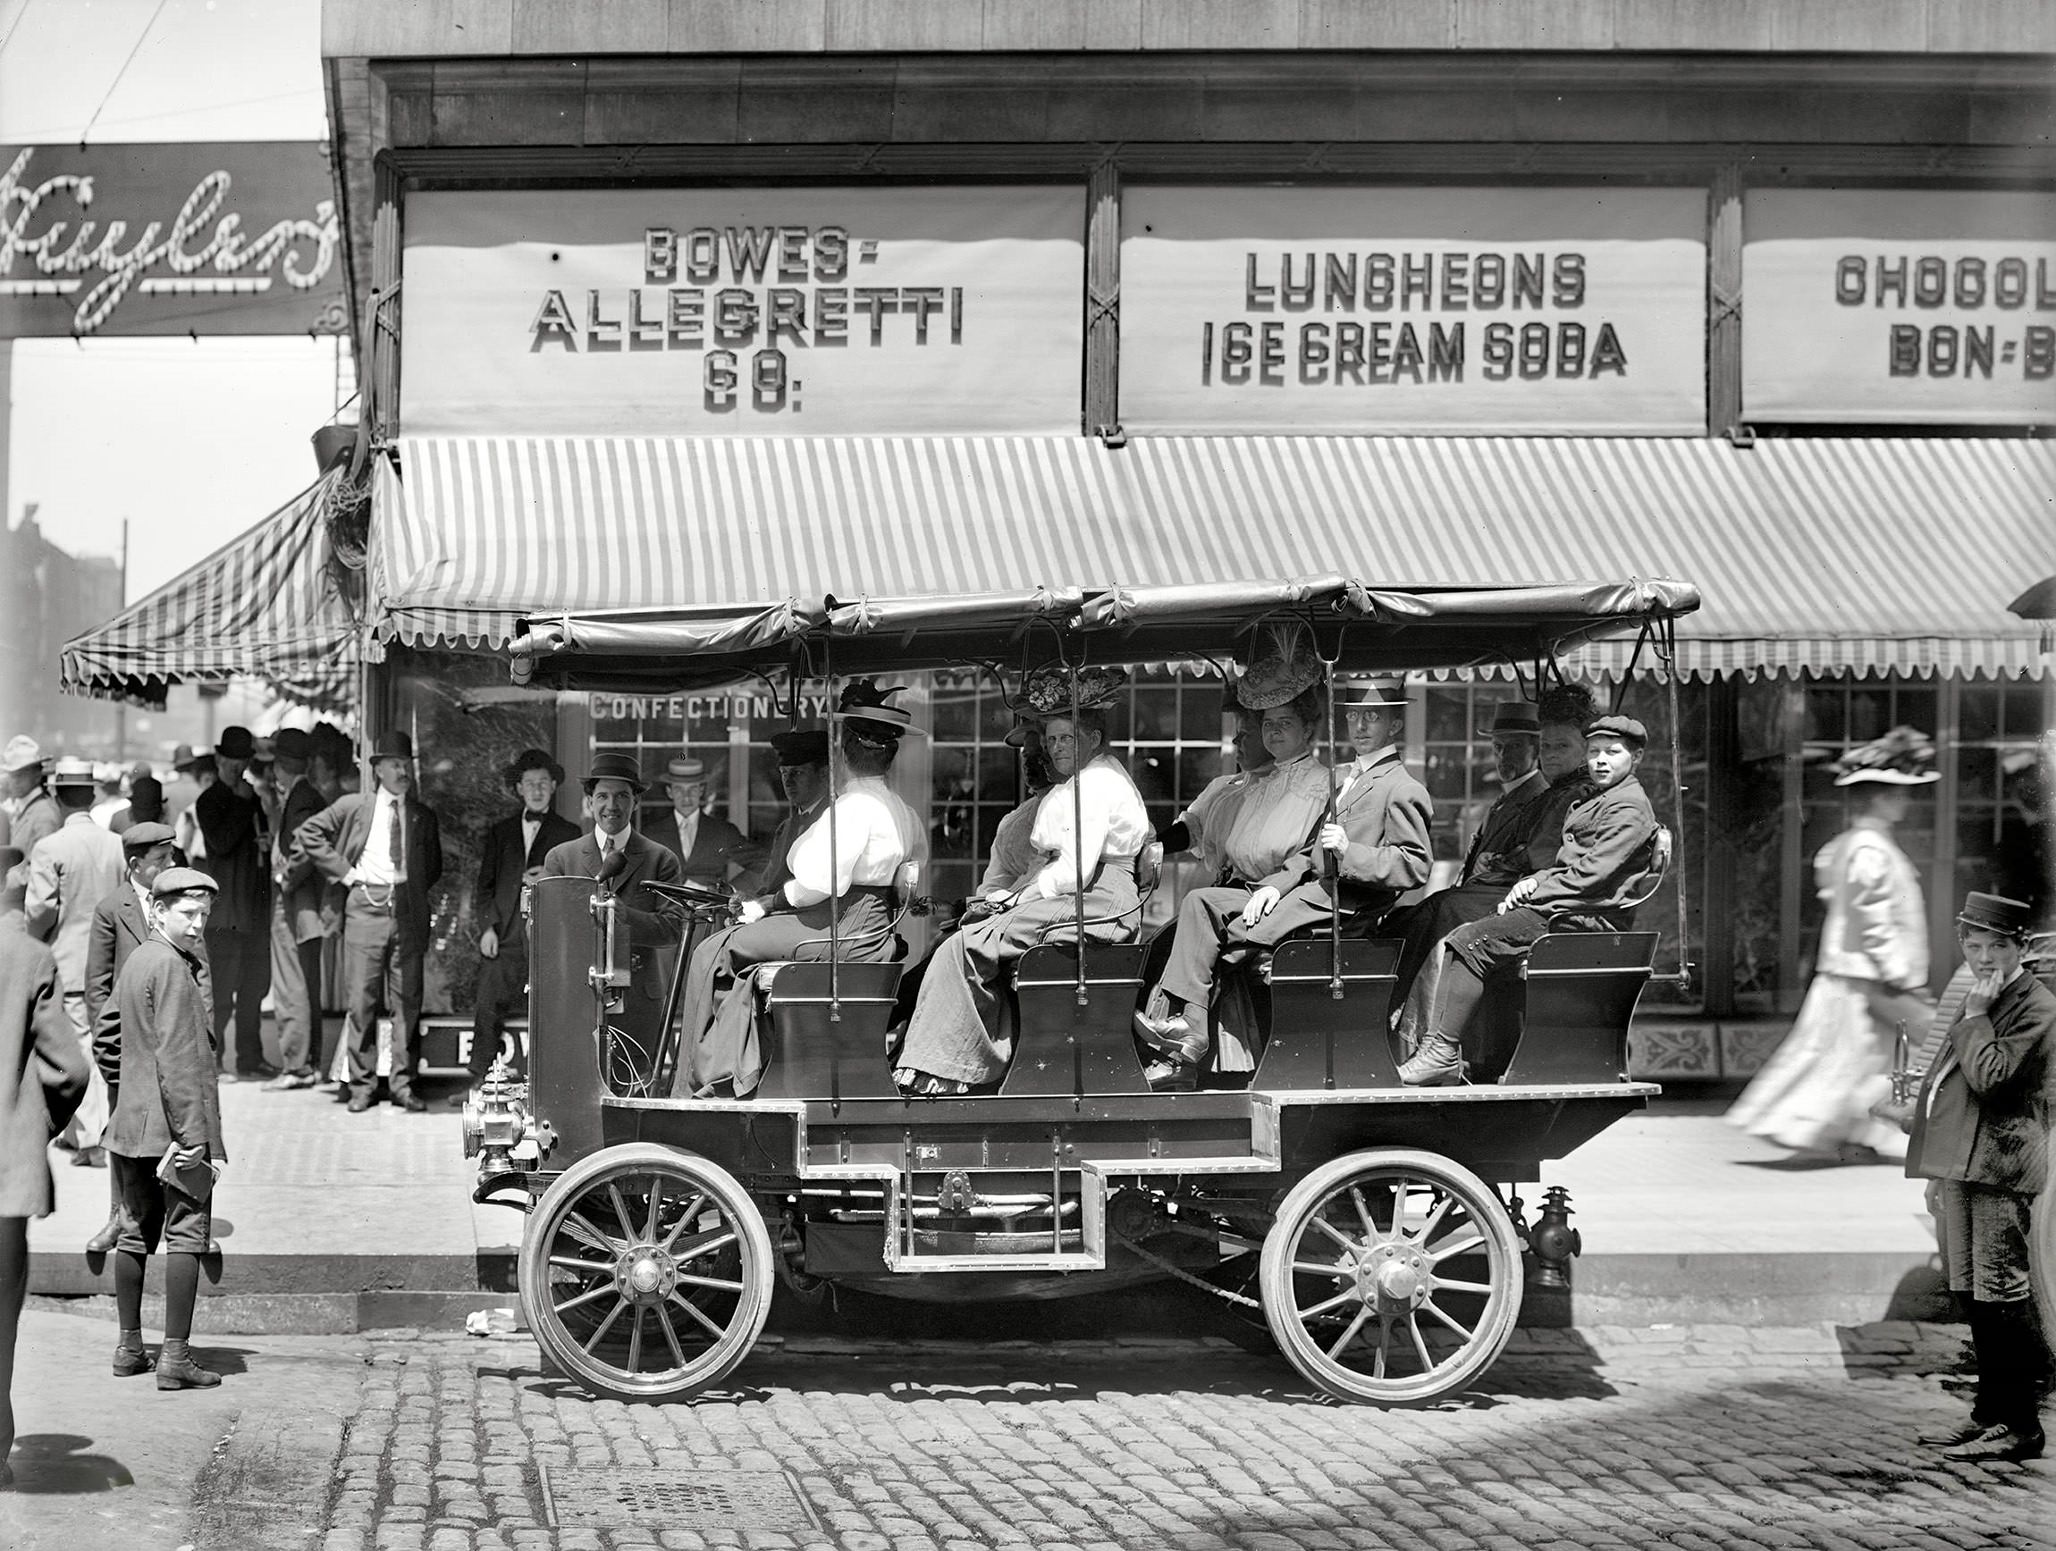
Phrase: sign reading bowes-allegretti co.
[1487,311]
[1899,306]
[795,311]
[178,238]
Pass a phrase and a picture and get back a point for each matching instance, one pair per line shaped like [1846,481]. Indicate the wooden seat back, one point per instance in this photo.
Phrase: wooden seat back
[1580,990]
[809,1051]
[1062,1049]
[1319,1040]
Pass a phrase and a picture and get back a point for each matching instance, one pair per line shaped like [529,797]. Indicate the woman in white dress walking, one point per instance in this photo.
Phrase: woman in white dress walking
[1870,976]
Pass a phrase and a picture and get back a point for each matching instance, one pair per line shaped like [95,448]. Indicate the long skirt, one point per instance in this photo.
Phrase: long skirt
[1816,1092]
[1421,928]
[718,1022]
[962,1028]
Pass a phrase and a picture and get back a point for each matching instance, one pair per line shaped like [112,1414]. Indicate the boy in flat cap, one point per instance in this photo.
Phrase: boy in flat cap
[1981,1135]
[1606,866]
[121,924]
[511,859]
[164,1142]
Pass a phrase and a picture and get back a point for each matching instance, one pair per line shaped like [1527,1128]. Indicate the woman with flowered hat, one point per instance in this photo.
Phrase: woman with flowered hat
[842,867]
[1088,831]
[1870,975]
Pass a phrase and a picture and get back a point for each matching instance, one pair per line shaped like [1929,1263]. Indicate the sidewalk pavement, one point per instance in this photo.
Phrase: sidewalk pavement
[332,1222]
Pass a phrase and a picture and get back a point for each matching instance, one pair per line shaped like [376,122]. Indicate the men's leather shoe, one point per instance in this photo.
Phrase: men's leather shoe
[130,1361]
[1437,1064]
[263,1071]
[1167,1076]
[1171,1036]
[1999,1444]
[359,1103]
[89,1158]
[1955,1435]
[413,1104]
[103,1241]
[177,1370]
[286,1082]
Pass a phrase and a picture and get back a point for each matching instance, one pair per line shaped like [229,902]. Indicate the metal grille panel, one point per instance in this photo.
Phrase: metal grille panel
[644,1498]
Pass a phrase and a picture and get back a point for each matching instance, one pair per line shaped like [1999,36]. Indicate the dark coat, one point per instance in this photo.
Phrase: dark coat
[232,825]
[334,841]
[1496,847]
[302,890]
[42,1071]
[496,901]
[653,921]
[1386,814]
[1607,860]
[1985,1108]
[168,1092]
[717,845]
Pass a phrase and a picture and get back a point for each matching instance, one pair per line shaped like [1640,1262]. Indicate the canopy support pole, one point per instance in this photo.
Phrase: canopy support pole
[834,846]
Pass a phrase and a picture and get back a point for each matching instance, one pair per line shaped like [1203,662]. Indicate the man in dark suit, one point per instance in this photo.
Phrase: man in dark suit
[386,849]
[512,858]
[237,833]
[711,850]
[612,785]
[297,925]
[121,924]
[43,1075]
[1371,849]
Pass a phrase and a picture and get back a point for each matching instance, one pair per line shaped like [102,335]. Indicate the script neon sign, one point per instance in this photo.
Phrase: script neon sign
[52,244]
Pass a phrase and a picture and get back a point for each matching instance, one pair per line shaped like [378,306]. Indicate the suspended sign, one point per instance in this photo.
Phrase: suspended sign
[804,312]
[1332,311]
[1899,306]
[236,238]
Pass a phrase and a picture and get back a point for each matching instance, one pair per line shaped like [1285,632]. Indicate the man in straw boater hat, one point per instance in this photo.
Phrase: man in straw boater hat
[710,850]
[386,848]
[842,868]
[510,860]
[69,873]
[1605,867]
[27,812]
[613,785]
[1371,849]
[1981,1137]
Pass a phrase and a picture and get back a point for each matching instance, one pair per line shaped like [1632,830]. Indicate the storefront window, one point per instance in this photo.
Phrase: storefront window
[2001,842]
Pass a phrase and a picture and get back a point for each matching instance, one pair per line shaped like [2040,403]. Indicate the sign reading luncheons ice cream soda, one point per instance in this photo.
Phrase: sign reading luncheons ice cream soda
[1898,306]
[805,312]
[1436,311]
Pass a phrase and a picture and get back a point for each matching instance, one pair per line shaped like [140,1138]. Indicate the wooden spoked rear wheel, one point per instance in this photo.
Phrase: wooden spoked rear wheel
[646,1273]
[1391,1276]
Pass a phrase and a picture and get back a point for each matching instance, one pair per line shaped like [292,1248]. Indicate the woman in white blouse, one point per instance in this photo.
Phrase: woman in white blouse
[853,858]
[957,1039]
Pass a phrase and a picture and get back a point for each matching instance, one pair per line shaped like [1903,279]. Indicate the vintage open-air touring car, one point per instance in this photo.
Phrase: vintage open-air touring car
[1379,1221]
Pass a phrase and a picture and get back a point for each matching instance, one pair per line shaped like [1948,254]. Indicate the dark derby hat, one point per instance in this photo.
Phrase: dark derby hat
[392,745]
[801,746]
[615,767]
[146,800]
[140,837]
[183,757]
[1515,716]
[1996,913]
[534,759]
[236,743]
[1625,728]
[292,743]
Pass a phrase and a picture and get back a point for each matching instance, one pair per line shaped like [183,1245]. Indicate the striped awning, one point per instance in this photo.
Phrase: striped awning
[1864,555]
[268,605]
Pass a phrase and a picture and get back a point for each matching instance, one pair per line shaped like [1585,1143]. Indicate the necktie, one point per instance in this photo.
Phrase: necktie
[397,843]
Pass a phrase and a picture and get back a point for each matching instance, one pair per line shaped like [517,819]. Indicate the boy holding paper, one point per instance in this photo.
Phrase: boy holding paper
[164,1140]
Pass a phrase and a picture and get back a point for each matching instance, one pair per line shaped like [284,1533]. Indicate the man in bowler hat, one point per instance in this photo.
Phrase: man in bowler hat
[612,784]
[386,849]
[236,832]
[1981,1136]
[511,859]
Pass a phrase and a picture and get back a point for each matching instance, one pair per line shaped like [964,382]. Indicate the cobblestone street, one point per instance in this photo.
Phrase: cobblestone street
[1697,1437]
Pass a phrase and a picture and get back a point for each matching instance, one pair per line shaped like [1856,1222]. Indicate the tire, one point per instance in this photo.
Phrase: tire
[646,1272]
[1394,1313]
